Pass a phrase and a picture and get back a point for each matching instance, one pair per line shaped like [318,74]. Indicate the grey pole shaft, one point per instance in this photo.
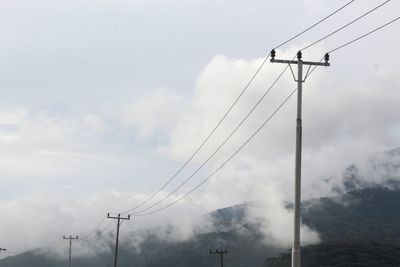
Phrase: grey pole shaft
[222,259]
[297,194]
[116,243]
[70,248]
[118,218]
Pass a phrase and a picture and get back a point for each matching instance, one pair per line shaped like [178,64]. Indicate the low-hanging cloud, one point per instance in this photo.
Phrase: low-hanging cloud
[343,122]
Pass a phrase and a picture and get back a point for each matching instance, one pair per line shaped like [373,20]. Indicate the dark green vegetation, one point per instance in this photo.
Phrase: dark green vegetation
[362,228]
[367,253]
[371,213]
[359,228]
[243,241]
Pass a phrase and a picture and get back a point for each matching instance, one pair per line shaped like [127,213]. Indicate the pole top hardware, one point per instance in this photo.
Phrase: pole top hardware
[326,57]
[273,54]
[299,55]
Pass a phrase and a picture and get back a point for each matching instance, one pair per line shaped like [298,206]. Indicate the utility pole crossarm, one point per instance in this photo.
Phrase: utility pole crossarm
[325,64]
[299,55]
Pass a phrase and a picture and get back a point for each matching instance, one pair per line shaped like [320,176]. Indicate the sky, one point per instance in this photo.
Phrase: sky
[104,100]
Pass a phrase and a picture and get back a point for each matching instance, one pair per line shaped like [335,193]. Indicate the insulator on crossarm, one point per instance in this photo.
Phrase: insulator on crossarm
[299,55]
[326,57]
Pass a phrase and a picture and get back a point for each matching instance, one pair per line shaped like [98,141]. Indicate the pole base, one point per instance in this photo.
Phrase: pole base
[295,257]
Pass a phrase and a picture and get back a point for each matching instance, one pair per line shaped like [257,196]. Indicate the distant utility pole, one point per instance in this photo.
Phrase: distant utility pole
[2,250]
[70,238]
[297,195]
[118,218]
[220,253]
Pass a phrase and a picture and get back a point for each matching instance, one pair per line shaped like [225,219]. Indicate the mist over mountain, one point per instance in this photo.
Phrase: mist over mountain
[360,222]
[382,169]
[345,253]
[360,228]
[243,241]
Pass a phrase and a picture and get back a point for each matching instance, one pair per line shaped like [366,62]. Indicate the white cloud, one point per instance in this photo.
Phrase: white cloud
[104,59]
[157,111]
[344,121]
[266,189]
[337,132]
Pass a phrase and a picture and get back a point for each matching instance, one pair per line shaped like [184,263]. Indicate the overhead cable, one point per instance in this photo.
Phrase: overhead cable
[315,24]
[225,162]
[364,35]
[230,109]
[346,25]
[220,146]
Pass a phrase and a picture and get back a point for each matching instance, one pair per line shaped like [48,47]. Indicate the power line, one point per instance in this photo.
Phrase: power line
[223,143]
[226,161]
[364,35]
[47,250]
[220,146]
[246,117]
[262,126]
[85,236]
[204,141]
[102,233]
[140,213]
[346,25]
[355,40]
[231,107]
[315,24]
[52,245]
[58,242]
[99,232]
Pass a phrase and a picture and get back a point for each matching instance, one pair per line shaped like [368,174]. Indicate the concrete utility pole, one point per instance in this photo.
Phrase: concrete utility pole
[118,218]
[70,238]
[220,253]
[297,195]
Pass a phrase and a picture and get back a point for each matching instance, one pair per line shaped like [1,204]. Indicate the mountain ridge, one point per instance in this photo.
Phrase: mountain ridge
[364,213]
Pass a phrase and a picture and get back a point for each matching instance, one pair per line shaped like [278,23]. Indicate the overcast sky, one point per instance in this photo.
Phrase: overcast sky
[103,100]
